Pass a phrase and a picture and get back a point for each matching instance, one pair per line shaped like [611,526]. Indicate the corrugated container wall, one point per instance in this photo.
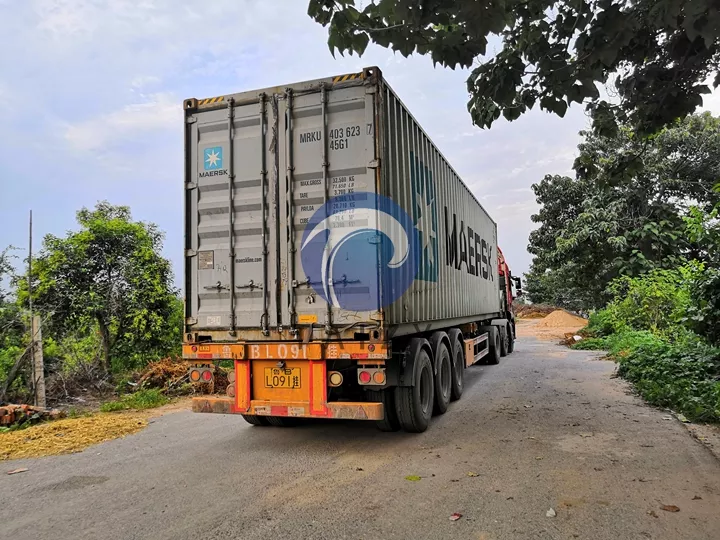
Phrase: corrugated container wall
[324,205]
[457,275]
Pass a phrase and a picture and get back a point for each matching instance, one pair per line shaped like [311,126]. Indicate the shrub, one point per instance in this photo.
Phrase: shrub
[655,301]
[704,315]
[683,378]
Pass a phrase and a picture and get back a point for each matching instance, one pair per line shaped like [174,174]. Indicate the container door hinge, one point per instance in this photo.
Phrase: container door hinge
[191,185]
[190,253]
[189,321]
[190,120]
[374,164]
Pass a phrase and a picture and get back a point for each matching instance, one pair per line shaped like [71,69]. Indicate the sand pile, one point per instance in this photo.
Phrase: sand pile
[533,311]
[562,319]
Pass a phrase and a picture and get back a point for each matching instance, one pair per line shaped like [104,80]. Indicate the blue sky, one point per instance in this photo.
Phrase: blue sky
[91,100]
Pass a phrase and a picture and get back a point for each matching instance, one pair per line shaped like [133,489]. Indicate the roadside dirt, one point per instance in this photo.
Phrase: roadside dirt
[550,328]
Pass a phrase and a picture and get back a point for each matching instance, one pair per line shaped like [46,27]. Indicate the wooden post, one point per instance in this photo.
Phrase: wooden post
[38,362]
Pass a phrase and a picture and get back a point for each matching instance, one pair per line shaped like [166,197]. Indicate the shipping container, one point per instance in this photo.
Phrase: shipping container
[320,216]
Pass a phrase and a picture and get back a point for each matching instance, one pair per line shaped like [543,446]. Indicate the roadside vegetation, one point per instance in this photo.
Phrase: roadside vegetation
[108,307]
[649,330]
[635,239]
[142,399]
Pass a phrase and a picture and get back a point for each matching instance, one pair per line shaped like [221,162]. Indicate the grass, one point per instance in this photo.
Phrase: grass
[142,399]
[682,375]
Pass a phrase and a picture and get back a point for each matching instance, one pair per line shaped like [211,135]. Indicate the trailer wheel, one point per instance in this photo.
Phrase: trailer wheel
[493,356]
[504,340]
[387,398]
[443,378]
[457,360]
[511,340]
[256,420]
[414,404]
[282,421]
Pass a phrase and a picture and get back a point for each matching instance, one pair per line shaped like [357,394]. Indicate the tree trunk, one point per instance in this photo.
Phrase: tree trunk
[105,339]
[13,373]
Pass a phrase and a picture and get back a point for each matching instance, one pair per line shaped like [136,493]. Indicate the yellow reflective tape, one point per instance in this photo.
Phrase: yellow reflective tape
[348,77]
[208,101]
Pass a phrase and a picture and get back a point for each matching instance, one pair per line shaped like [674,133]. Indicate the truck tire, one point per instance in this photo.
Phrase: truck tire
[387,398]
[256,420]
[504,337]
[493,356]
[443,378]
[282,421]
[457,360]
[511,341]
[414,404]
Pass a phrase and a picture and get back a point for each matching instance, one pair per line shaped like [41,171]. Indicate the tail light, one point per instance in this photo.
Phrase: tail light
[371,376]
[200,374]
[335,379]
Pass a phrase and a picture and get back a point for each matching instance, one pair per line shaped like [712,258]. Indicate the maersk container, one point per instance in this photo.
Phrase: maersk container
[321,210]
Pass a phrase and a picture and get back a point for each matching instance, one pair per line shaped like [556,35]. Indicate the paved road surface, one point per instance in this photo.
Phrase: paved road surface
[547,428]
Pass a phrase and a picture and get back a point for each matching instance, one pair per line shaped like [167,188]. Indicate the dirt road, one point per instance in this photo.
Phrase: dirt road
[547,428]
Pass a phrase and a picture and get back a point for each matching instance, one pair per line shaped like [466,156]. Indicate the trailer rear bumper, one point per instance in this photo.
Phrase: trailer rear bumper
[340,410]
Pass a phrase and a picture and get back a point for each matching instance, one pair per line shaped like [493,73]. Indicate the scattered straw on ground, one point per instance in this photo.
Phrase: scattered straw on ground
[69,435]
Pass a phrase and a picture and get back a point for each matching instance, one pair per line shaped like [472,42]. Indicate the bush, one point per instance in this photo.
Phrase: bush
[656,301]
[683,376]
[705,311]
[685,379]
[142,399]
[603,323]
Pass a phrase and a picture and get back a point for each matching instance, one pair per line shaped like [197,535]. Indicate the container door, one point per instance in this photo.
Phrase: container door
[231,257]
[329,265]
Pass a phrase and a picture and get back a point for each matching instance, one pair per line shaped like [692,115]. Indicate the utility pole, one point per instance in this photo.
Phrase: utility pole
[36,347]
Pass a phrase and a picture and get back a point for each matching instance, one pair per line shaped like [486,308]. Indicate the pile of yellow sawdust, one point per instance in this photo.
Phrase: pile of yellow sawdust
[562,319]
[68,435]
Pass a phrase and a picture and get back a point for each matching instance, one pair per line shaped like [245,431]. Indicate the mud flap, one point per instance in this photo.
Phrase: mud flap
[407,365]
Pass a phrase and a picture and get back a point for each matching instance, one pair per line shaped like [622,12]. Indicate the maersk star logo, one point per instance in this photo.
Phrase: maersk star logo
[425,217]
[213,158]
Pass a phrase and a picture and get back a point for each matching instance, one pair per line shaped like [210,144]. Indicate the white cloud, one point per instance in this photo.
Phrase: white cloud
[143,81]
[158,112]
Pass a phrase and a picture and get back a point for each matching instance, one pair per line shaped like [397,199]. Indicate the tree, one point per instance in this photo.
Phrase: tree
[657,54]
[635,205]
[108,275]
[6,272]
[12,327]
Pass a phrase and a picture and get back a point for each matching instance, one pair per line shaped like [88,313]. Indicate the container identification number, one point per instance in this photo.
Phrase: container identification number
[340,137]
